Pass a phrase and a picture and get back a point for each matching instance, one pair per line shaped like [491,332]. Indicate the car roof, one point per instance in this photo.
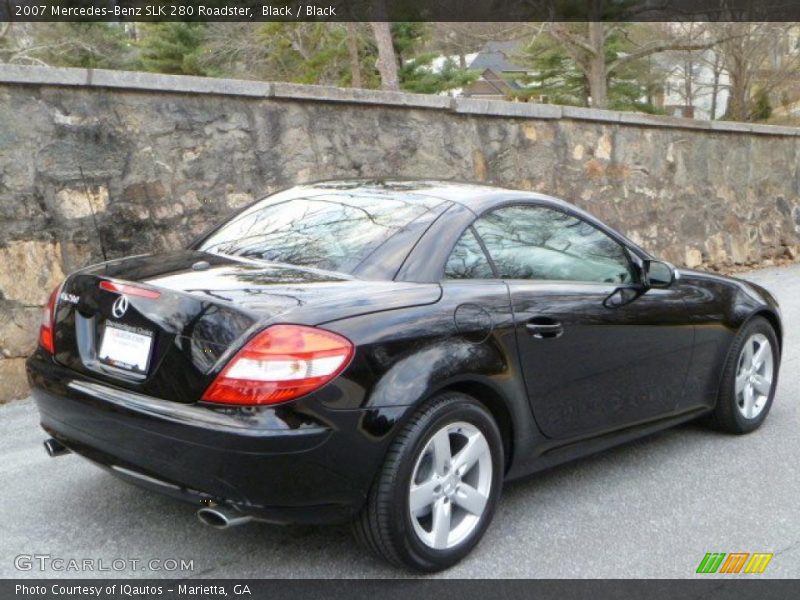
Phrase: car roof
[477,197]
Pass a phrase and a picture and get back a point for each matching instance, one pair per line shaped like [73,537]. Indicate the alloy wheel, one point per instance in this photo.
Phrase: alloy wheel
[754,374]
[450,485]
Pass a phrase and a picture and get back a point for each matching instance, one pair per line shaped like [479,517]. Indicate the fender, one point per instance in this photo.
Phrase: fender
[424,350]
[719,307]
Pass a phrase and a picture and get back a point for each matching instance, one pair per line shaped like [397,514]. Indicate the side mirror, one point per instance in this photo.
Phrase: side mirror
[658,274]
[623,295]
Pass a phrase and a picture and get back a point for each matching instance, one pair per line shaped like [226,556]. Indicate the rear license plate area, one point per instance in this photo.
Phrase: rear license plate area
[125,347]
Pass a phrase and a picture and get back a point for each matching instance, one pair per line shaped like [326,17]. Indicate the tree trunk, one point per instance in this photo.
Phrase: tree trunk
[597,74]
[387,61]
[688,88]
[355,60]
[738,100]
[715,91]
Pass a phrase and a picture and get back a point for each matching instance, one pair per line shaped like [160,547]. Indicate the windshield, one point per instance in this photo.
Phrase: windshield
[335,232]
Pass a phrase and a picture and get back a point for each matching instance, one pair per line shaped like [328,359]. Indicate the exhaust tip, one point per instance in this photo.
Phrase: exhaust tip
[213,518]
[55,448]
[220,517]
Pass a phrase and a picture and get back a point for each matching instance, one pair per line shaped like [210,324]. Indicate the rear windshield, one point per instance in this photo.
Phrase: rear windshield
[332,232]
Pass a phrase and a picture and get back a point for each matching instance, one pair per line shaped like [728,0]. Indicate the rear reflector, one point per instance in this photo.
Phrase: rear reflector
[281,363]
[128,290]
[46,337]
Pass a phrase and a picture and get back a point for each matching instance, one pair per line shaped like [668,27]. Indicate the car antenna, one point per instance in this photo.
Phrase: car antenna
[94,216]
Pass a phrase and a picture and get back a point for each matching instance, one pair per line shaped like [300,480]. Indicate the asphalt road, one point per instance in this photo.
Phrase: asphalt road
[652,508]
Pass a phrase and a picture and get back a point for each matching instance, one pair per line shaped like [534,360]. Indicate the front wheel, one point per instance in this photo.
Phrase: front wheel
[749,380]
[437,490]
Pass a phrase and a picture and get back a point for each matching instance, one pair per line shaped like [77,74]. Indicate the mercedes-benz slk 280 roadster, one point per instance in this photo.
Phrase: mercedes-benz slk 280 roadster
[388,353]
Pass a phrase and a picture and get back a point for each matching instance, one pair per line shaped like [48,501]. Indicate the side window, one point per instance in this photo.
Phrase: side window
[468,260]
[535,242]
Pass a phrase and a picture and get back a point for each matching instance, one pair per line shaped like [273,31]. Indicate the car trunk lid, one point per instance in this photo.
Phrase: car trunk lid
[163,324]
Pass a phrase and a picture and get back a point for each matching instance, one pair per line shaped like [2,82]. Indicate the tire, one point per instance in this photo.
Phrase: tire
[736,412]
[441,427]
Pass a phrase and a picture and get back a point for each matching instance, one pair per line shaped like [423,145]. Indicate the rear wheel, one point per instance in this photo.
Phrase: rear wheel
[749,380]
[437,490]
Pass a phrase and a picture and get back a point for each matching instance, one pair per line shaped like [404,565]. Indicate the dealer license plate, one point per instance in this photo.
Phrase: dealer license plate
[126,347]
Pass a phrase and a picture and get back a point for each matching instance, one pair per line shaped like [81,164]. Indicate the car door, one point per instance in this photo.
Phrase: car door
[589,367]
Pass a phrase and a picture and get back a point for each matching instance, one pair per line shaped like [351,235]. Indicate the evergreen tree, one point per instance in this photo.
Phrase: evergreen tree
[556,75]
[762,108]
[173,47]
[88,45]
[407,38]
[418,75]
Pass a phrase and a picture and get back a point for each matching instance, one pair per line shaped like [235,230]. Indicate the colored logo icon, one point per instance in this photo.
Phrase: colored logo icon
[735,562]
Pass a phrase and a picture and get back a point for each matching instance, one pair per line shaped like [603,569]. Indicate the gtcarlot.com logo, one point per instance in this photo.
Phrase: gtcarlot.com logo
[48,562]
[735,562]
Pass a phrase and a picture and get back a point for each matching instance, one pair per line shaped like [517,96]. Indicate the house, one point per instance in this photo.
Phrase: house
[694,85]
[500,71]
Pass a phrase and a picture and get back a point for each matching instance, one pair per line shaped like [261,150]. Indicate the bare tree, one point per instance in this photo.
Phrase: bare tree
[757,57]
[352,50]
[716,71]
[387,59]
[696,74]
[586,45]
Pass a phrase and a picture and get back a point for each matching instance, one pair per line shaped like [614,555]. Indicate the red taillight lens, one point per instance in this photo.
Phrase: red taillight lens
[46,340]
[281,363]
[129,290]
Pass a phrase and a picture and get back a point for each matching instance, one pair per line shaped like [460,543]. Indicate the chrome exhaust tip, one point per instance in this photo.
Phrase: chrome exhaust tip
[220,517]
[55,448]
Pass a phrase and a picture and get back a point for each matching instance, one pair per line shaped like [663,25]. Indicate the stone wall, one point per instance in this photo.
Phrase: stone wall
[158,159]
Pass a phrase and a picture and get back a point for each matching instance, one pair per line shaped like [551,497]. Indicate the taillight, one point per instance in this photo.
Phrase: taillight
[46,340]
[281,363]
[129,290]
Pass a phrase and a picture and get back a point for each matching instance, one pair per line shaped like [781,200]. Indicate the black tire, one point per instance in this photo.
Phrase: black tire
[385,524]
[727,415]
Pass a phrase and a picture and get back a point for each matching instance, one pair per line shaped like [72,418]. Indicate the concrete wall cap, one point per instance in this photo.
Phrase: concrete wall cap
[503,108]
[134,80]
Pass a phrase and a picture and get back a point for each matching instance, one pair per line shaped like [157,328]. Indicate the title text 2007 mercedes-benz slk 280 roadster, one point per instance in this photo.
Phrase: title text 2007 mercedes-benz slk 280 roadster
[388,353]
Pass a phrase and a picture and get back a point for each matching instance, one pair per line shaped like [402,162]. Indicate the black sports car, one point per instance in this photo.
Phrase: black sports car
[388,353]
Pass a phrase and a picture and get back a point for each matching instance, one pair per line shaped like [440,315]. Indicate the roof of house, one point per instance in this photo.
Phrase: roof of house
[491,83]
[499,57]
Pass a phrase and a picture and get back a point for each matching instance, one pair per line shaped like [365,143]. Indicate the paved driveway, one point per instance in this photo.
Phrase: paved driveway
[652,508]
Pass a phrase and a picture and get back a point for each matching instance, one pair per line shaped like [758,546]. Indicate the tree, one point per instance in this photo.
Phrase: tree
[716,70]
[420,75]
[554,74]
[407,39]
[89,45]
[353,53]
[762,108]
[586,44]
[4,29]
[173,47]
[387,59]
[315,53]
[557,74]
[759,58]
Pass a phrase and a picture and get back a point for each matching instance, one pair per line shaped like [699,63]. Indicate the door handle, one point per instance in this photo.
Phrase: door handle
[543,328]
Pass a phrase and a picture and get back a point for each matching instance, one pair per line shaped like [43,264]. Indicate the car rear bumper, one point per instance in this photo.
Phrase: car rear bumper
[270,463]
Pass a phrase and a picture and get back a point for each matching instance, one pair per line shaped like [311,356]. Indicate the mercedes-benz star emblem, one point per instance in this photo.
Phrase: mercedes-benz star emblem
[119,307]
